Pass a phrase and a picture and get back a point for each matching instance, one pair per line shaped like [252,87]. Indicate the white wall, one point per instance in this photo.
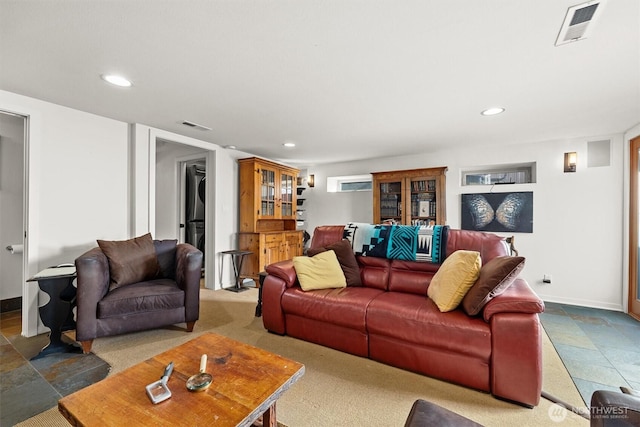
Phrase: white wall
[578,217]
[11,203]
[77,186]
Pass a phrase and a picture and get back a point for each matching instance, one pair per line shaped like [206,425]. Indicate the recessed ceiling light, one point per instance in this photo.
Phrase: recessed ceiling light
[492,111]
[229,147]
[289,144]
[116,80]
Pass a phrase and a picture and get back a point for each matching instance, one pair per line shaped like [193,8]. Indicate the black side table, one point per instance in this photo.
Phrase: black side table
[237,258]
[261,276]
[57,314]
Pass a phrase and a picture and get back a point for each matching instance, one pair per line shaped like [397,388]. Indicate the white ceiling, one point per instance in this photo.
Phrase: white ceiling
[343,79]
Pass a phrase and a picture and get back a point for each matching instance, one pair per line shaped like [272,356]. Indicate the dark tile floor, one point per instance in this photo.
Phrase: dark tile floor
[28,387]
[599,348]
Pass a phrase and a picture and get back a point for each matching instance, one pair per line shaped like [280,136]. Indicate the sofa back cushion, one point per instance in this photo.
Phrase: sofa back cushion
[374,272]
[324,235]
[411,277]
[489,245]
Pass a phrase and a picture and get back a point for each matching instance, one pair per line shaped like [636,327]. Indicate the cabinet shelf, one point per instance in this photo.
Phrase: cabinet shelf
[415,196]
[268,214]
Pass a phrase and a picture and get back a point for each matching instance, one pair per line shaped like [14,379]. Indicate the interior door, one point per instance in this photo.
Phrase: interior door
[634,229]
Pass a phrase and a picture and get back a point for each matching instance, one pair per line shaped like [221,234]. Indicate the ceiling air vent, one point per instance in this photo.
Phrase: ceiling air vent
[579,22]
[195,125]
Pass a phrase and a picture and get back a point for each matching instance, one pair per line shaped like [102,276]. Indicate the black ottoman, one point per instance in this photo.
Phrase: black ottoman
[425,413]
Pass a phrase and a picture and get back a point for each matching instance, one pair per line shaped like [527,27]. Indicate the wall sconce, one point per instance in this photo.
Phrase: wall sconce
[311,181]
[570,161]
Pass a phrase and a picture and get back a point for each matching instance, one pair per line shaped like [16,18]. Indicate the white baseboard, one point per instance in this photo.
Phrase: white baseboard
[584,303]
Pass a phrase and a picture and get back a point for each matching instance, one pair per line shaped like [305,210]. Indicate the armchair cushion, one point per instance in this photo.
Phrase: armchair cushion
[150,296]
[130,261]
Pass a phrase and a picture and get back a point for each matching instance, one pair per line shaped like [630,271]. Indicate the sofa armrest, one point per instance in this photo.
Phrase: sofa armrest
[285,271]
[516,357]
[273,318]
[518,298]
[188,274]
[92,269]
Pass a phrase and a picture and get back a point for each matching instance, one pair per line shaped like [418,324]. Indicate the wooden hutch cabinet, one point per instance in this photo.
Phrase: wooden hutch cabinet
[410,197]
[267,214]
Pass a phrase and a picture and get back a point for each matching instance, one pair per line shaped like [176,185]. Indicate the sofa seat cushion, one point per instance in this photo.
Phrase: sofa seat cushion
[153,295]
[416,319]
[342,306]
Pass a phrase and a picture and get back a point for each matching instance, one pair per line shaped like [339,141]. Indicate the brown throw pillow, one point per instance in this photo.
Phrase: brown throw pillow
[495,277]
[346,258]
[130,261]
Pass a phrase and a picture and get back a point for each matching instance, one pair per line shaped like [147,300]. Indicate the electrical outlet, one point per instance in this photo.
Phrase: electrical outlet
[546,278]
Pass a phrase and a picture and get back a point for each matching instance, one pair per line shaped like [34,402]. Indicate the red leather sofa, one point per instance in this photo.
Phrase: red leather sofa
[390,319]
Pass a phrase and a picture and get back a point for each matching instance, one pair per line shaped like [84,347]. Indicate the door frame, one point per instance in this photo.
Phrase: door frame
[32,141]
[143,191]
[633,306]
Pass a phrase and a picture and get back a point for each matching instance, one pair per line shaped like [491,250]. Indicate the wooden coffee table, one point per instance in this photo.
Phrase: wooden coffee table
[247,381]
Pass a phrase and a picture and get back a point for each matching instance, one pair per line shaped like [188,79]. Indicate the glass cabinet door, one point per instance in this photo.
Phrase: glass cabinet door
[267,192]
[423,201]
[391,201]
[286,192]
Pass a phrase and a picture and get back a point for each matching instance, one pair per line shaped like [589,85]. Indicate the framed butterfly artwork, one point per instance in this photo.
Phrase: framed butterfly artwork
[508,212]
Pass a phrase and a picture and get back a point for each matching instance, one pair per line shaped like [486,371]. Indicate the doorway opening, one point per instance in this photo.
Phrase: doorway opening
[195,195]
[13,133]
[183,207]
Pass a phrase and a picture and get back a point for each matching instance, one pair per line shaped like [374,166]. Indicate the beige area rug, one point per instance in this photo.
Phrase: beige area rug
[338,389]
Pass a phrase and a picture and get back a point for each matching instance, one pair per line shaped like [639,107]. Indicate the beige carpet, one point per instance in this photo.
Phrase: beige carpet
[338,389]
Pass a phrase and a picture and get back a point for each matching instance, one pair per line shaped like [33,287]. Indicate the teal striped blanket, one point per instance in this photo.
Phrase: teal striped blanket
[406,242]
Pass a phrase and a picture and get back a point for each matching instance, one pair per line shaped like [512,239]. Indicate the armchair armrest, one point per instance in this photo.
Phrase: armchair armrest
[518,298]
[188,273]
[92,269]
[610,408]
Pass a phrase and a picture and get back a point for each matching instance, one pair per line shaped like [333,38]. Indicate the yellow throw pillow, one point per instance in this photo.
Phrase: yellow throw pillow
[321,271]
[454,278]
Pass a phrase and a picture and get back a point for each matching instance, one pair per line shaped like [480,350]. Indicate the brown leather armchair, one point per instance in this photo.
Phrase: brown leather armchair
[172,297]
[613,409]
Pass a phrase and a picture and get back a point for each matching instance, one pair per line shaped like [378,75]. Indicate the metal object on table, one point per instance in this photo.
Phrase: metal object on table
[57,314]
[237,258]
